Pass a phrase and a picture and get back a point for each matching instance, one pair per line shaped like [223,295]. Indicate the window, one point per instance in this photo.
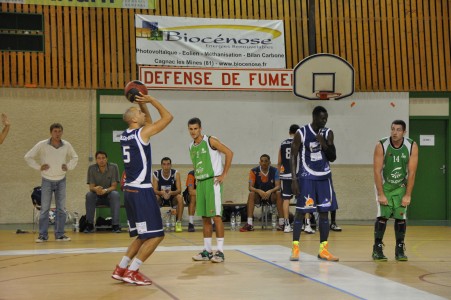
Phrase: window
[21,32]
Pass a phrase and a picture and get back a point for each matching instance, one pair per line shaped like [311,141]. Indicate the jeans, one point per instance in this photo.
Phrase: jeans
[59,189]
[112,200]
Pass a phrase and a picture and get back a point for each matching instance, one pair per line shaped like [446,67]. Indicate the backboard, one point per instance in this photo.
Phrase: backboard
[323,76]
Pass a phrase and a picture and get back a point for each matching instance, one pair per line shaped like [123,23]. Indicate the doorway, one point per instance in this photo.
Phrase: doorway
[430,193]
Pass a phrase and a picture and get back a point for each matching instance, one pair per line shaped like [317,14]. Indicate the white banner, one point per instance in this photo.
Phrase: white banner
[214,43]
[216,79]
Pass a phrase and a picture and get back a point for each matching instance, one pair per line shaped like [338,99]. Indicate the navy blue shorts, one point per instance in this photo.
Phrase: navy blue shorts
[287,192]
[143,213]
[316,195]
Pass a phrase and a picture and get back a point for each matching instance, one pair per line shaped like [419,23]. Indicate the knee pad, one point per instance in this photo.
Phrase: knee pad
[400,225]
[382,220]
[381,223]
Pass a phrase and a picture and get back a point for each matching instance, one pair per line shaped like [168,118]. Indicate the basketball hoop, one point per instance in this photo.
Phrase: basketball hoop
[327,95]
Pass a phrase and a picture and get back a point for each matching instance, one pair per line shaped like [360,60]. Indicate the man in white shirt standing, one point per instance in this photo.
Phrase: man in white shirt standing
[53,157]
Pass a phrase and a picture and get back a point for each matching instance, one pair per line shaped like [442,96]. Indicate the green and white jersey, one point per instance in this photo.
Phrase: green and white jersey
[396,161]
[206,160]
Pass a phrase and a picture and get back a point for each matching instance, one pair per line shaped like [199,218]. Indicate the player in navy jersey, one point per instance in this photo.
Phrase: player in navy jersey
[168,188]
[283,165]
[143,211]
[311,151]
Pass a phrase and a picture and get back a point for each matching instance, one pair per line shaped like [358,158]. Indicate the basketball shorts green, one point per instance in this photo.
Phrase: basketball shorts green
[208,198]
[394,208]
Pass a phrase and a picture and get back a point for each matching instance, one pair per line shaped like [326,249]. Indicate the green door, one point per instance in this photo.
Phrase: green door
[108,125]
[106,128]
[429,192]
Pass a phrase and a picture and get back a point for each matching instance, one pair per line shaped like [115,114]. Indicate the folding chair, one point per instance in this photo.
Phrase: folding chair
[36,200]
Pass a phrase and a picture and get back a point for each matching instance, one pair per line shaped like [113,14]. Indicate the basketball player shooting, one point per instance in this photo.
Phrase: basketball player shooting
[143,211]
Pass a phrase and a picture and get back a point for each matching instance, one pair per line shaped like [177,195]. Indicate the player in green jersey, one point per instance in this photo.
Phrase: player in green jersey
[205,152]
[395,165]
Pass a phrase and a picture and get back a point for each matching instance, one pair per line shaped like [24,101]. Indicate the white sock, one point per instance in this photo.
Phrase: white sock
[287,222]
[191,219]
[281,221]
[207,244]
[136,263]
[212,221]
[124,262]
[220,244]
[249,221]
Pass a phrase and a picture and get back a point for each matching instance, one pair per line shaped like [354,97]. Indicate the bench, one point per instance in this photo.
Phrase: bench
[104,206]
[265,211]
[229,207]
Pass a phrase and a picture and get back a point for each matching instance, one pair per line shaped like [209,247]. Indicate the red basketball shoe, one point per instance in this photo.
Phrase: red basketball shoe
[118,273]
[136,277]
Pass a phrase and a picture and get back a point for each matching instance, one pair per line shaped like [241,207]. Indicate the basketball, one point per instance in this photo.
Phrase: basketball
[133,88]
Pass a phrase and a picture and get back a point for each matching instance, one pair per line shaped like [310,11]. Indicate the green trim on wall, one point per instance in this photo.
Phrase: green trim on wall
[428,117]
[430,94]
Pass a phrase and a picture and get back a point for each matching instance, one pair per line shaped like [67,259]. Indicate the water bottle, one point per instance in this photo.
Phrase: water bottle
[168,221]
[274,218]
[238,219]
[232,222]
[76,222]
[173,220]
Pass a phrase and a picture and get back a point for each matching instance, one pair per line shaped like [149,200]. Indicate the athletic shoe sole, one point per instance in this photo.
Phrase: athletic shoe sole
[117,277]
[128,280]
[328,258]
[402,259]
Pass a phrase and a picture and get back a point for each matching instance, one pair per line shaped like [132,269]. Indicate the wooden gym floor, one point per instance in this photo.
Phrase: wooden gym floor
[256,267]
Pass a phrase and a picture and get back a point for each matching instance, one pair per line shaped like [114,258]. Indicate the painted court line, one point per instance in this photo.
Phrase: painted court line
[334,275]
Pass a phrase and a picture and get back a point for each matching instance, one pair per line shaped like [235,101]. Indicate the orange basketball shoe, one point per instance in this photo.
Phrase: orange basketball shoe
[295,251]
[324,254]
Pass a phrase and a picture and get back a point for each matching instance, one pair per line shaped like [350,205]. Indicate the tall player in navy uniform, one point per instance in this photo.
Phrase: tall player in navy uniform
[311,151]
[283,165]
[168,189]
[143,211]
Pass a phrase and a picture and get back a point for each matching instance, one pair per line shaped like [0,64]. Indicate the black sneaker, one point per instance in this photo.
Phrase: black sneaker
[41,239]
[63,238]
[89,228]
[116,229]
[399,252]
[191,227]
[335,227]
[378,254]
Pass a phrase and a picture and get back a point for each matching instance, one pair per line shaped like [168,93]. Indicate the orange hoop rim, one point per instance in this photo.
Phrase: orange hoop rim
[327,95]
